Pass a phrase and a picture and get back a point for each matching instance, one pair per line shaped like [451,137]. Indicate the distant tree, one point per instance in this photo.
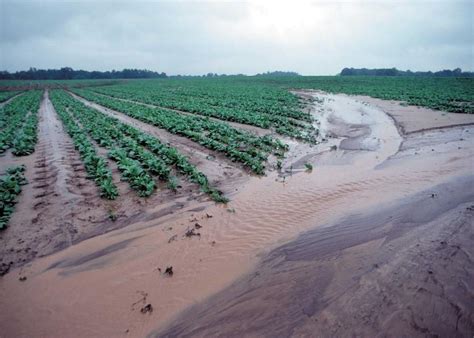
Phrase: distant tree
[67,73]
[278,73]
[395,72]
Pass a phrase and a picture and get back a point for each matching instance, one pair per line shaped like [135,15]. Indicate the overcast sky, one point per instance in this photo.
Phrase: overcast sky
[196,37]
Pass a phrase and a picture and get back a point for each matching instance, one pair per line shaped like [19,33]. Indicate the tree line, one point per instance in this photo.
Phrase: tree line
[67,73]
[395,72]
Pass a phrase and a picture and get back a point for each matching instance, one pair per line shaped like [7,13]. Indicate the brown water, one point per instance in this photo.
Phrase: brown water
[370,273]
[96,288]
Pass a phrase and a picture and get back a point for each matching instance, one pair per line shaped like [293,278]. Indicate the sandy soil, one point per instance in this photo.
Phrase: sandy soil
[404,269]
[99,287]
[408,118]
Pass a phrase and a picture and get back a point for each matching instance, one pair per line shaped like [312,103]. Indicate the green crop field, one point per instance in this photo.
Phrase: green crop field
[448,94]
[266,101]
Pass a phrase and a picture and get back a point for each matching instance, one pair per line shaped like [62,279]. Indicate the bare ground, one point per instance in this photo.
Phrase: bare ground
[403,270]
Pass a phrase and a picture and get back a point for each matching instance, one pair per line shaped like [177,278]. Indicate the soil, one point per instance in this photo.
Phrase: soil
[377,233]
[404,269]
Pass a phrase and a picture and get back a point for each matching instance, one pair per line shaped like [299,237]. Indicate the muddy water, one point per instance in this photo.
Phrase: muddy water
[97,288]
[414,119]
[352,277]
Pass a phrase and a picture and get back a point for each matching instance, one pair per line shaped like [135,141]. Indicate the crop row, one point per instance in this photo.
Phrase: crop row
[238,145]
[7,94]
[95,165]
[138,154]
[251,109]
[18,124]
[248,96]
[10,188]
[131,170]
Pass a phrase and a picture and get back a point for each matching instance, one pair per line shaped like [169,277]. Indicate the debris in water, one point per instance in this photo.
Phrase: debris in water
[191,233]
[169,271]
[22,278]
[147,308]
[198,226]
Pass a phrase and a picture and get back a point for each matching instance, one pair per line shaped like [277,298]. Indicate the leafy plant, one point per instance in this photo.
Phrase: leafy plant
[18,123]
[137,154]
[10,188]
[96,166]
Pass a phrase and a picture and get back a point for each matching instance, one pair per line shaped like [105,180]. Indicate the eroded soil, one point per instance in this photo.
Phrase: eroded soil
[61,207]
[378,213]
[404,269]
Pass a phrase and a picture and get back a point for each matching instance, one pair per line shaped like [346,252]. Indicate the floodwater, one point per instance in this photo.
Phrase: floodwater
[99,286]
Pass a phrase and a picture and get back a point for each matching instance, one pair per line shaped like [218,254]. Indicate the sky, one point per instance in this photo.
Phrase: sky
[230,37]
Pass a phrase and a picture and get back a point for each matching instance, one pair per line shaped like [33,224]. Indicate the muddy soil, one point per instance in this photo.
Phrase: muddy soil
[360,205]
[415,119]
[404,269]
[57,204]
[61,207]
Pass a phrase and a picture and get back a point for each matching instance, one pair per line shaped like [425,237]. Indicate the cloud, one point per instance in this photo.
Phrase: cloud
[196,37]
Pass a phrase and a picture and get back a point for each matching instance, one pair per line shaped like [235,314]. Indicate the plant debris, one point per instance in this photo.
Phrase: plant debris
[147,309]
[169,271]
[191,233]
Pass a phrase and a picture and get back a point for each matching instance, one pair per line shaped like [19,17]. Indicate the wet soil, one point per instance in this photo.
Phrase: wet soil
[359,209]
[60,207]
[404,269]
